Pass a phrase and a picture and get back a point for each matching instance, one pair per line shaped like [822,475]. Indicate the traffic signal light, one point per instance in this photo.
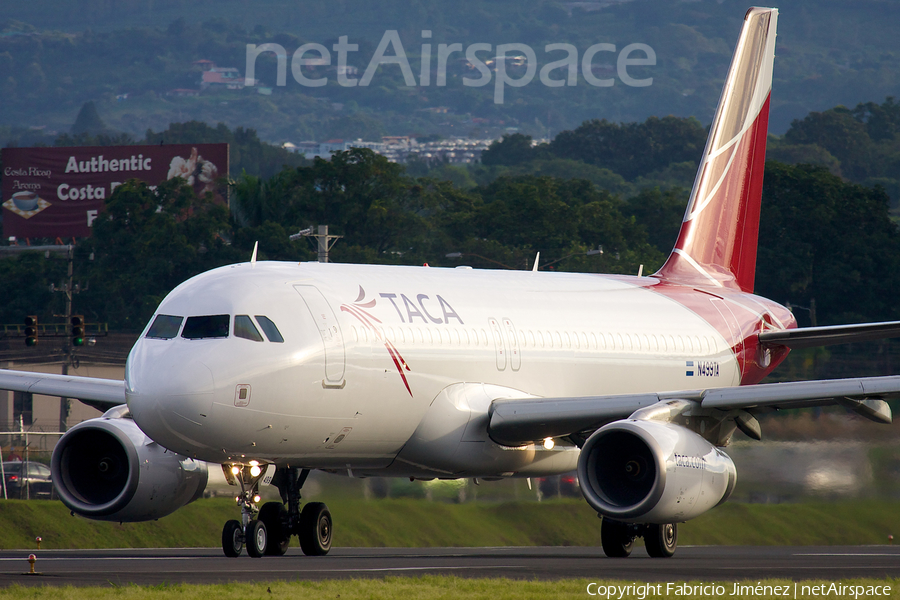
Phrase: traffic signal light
[31,331]
[78,330]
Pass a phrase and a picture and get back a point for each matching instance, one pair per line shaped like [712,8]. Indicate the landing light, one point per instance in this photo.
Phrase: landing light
[549,443]
[255,471]
[235,470]
[257,498]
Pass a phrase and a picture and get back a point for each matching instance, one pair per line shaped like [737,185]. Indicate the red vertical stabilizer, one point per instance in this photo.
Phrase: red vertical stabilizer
[717,242]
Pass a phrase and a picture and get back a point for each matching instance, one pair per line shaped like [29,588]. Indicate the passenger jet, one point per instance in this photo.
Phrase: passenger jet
[393,371]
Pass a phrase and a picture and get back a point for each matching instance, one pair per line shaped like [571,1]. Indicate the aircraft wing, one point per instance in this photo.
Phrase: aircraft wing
[808,337]
[102,394]
[516,421]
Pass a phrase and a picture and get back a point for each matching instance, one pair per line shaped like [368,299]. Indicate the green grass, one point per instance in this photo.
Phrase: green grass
[418,523]
[421,588]
[813,523]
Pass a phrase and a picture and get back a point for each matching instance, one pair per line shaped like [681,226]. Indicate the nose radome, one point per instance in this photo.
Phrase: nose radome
[169,396]
[169,375]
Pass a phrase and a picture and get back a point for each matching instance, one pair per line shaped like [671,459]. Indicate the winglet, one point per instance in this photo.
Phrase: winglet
[253,256]
[718,237]
[537,262]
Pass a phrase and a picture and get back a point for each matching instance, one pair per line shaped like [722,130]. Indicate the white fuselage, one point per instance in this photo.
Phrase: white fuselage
[368,351]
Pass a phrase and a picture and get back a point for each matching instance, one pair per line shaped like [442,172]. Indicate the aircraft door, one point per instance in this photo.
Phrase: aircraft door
[515,358]
[499,346]
[329,329]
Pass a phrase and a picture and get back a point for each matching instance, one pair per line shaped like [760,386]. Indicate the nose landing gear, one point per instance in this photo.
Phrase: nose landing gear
[250,530]
[268,531]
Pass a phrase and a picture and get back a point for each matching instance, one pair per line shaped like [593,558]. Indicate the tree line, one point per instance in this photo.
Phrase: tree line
[127,56]
[826,232]
[821,236]
[861,144]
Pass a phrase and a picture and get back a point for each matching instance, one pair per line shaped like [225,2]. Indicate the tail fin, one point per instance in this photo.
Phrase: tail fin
[718,237]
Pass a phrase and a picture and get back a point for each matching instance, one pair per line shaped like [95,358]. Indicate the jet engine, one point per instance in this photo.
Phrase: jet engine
[107,469]
[653,472]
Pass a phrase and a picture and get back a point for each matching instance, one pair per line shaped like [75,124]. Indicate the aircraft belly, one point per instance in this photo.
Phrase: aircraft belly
[313,442]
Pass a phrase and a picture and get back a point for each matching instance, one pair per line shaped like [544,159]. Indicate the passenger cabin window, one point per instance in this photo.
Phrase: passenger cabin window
[207,326]
[244,328]
[268,327]
[165,327]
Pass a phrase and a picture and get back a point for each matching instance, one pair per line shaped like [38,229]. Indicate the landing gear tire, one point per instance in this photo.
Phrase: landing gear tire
[256,537]
[274,515]
[232,539]
[661,540]
[315,529]
[616,538]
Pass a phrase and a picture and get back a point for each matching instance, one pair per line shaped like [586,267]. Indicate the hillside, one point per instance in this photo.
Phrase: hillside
[128,57]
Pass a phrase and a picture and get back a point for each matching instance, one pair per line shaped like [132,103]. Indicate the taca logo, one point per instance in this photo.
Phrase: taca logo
[418,309]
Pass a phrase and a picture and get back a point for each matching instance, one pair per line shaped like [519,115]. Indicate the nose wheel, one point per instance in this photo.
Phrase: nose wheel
[267,531]
[250,531]
[235,536]
[256,537]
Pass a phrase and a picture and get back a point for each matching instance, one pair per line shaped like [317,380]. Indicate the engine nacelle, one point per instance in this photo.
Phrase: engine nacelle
[107,469]
[651,472]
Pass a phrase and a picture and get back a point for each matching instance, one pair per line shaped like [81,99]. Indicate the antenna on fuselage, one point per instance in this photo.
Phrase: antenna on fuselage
[253,256]
[537,262]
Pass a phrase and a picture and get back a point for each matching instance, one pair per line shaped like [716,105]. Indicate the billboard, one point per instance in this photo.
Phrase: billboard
[58,192]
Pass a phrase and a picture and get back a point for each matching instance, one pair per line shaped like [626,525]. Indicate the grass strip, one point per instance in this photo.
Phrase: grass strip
[433,587]
[419,523]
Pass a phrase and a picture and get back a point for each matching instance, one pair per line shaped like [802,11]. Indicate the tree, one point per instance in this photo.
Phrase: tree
[633,149]
[809,154]
[361,195]
[882,120]
[145,243]
[838,132]
[525,214]
[255,200]
[824,238]
[25,290]
[660,213]
[512,149]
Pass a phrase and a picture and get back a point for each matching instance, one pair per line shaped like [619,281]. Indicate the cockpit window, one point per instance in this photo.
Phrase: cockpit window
[165,327]
[208,326]
[244,328]
[269,329]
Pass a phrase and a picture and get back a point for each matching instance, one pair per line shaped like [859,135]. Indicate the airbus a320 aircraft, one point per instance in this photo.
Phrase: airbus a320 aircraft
[638,382]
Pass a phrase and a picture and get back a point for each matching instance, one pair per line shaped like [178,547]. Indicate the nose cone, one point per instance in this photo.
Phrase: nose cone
[169,392]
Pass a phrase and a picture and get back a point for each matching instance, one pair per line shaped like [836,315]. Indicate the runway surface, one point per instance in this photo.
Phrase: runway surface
[209,565]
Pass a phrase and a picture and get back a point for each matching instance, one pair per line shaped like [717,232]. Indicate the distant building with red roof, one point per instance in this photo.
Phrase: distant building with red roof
[212,76]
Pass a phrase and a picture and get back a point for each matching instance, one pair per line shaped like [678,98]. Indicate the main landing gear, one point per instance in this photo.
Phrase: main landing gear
[268,530]
[618,538]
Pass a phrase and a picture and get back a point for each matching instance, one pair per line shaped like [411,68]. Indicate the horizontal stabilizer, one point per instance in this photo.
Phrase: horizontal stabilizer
[810,337]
